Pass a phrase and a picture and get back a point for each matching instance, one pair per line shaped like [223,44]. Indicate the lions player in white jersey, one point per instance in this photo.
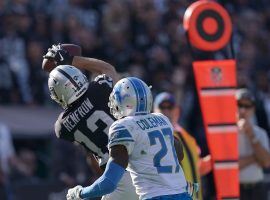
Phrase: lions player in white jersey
[141,142]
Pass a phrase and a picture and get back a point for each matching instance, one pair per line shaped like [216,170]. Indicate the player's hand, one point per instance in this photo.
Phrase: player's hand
[192,188]
[59,55]
[74,193]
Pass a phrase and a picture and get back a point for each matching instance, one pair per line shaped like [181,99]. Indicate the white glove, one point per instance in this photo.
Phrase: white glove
[192,188]
[74,193]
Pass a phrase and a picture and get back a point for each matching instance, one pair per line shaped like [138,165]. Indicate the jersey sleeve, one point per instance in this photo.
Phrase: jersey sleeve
[61,132]
[120,135]
[101,88]
[104,80]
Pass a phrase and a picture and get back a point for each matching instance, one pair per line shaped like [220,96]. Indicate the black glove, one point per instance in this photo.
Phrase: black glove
[59,55]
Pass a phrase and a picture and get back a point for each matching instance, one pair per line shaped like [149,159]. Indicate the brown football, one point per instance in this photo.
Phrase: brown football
[73,49]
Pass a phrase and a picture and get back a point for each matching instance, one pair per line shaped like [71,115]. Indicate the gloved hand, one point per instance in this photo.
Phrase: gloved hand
[59,55]
[192,188]
[74,193]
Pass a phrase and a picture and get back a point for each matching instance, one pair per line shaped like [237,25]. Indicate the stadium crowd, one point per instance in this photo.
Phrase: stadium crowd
[143,38]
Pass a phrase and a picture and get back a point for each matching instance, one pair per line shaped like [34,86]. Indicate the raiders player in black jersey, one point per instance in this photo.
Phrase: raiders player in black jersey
[86,118]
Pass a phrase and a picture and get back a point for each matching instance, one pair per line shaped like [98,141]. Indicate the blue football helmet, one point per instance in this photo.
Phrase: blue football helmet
[130,96]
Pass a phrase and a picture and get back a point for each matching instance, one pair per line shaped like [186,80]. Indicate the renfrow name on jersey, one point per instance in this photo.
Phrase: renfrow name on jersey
[74,117]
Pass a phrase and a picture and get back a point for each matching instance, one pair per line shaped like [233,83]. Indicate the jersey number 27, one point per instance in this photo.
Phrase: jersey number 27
[158,136]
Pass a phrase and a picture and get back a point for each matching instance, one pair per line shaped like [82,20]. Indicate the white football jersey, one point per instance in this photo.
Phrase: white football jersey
[153,163]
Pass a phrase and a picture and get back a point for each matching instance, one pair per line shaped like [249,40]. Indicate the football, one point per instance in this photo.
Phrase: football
[73,49]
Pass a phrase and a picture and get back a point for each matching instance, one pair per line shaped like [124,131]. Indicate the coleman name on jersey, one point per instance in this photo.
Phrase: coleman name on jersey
[151,122]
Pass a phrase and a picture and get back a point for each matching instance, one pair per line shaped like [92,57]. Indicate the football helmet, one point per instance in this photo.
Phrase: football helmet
[130,96]
[66,84]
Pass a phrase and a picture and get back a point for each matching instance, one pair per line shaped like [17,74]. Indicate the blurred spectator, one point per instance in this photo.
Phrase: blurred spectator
[15,167]
[116,17]
[146,33]
[37,78]
[254,149]
[7,83]
[65,172]
[262,104]
[118,51]
[13,50]
[137,71]
[193,166]
[7,162]
[26,166]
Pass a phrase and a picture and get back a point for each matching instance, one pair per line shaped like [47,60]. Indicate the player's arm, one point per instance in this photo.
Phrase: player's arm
[179,149]
[96,66]
[120,143]
[93,163]
[114,171]
[107,183]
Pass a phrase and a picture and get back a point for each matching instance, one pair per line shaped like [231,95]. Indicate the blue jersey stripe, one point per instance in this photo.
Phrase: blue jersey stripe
[121,140]
[117,128]
[124,133]
[116,125]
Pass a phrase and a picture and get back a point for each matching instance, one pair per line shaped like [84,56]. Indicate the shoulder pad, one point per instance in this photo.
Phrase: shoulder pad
[104,79]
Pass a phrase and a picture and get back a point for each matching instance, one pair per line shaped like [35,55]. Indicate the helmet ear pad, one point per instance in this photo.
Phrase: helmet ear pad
[130,96]
[67,84]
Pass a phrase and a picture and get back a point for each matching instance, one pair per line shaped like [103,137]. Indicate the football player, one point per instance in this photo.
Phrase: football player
[141,142]
[86,117]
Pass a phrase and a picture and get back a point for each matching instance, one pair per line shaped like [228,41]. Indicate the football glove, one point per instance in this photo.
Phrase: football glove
[192,188]
[74,193]
[59,55]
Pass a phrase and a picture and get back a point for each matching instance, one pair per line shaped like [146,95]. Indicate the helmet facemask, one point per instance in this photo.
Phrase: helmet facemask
[114,106]
[54,97]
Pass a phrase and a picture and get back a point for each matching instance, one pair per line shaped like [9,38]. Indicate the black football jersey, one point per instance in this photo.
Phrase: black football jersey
[88,120]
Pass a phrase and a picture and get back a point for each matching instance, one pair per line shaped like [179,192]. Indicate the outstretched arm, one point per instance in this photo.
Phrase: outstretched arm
[60,56]
[107,183]
[93,163]
[95,66]
[179,149]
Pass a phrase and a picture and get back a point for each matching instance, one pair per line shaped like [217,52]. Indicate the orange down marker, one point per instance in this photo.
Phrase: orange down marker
[208,27]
